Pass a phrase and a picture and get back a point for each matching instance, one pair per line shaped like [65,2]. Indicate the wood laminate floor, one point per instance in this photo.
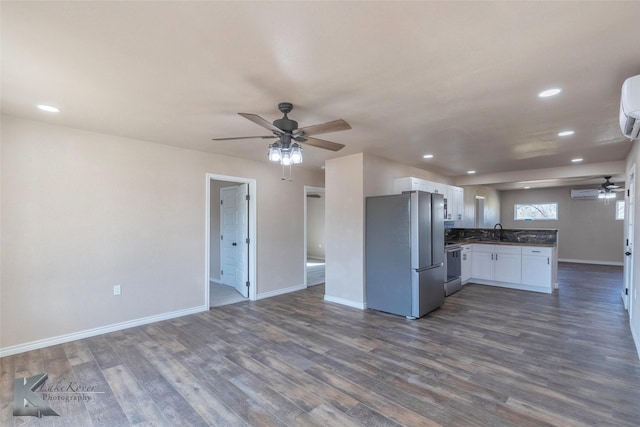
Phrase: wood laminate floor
[488,357]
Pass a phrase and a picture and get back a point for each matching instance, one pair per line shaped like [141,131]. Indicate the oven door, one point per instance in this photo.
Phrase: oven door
[453,270]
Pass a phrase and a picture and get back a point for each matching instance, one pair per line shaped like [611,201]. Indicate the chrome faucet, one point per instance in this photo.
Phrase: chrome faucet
[495,227]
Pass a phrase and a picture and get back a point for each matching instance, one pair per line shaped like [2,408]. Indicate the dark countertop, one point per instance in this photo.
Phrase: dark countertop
[527,237]
[497,242]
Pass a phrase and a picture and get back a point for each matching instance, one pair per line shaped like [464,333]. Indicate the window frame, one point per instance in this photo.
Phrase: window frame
[515,211]
[618,203]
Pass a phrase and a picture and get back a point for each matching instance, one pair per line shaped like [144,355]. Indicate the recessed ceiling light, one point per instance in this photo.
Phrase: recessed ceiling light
[526,188]
[578,160]
[49,108]
[471,172]
[428,156]
[550,92]
[566,133]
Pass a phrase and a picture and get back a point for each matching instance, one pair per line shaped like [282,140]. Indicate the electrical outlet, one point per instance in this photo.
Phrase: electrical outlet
[117,290]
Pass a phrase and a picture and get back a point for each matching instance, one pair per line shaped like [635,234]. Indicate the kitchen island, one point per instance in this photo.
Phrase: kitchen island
[522,259]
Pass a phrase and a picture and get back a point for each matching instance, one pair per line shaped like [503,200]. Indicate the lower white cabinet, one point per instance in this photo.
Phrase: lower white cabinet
[465,263]
[502,263]
[519,267]
[508,266]
[482,263]
[537,266]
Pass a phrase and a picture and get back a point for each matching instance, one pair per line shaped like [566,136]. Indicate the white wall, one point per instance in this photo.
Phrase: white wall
[82,212]
[587,229]
[344,231]
[491,206]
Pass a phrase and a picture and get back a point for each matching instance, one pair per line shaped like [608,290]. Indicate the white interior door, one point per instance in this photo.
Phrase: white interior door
[628,259]
[234,232]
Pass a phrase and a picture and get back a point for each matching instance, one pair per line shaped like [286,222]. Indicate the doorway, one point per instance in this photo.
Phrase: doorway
[230,268]
[314,219]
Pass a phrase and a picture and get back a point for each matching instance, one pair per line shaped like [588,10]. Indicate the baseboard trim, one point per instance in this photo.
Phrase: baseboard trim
[280,291]
[61,339]
[636,340]
[592,261]
[344,301]
[520,287]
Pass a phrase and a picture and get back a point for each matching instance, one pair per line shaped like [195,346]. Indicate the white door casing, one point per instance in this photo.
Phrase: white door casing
[627,292]
[252,215]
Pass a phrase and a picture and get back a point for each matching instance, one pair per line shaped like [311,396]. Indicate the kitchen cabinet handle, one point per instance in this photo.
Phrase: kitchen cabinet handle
[496,257]
[548,261]
[491,257]
[536,252]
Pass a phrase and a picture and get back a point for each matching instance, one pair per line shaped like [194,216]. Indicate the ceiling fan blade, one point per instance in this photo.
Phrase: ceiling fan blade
[321,143]
[333,126]
[244,137]
[260,121]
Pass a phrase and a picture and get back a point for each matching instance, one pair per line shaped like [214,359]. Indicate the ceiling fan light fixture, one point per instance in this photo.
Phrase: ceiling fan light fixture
[286,158]
[566,133]
[275,153]
[606,195]
[296,153]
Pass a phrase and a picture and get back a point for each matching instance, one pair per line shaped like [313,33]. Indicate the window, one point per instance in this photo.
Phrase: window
[536,211]
[620,209]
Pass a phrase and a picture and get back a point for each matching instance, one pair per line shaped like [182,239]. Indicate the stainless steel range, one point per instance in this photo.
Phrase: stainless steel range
[452,268]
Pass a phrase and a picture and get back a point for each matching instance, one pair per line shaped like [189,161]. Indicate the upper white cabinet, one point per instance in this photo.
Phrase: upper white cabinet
[454,195]
[457,203]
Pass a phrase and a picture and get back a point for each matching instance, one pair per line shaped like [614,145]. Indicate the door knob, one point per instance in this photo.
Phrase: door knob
[627,253]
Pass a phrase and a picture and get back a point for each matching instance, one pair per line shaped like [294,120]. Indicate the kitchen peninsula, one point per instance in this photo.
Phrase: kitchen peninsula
[525,259]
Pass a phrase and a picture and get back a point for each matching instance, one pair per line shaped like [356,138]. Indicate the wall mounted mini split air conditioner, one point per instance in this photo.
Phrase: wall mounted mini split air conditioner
[630,108]
[585,193]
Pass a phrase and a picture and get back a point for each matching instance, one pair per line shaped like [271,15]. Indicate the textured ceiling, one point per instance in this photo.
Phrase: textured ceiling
[458,80]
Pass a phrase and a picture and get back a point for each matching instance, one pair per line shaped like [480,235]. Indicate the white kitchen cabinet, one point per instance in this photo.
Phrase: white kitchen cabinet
[454,195]
[530,268]
[501,263]
[508,266]
[482,262]
[413,184]
[465,263]
[537,266]
[457,203]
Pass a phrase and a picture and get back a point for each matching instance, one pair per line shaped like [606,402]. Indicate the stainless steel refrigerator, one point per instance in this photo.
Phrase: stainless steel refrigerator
[404,251]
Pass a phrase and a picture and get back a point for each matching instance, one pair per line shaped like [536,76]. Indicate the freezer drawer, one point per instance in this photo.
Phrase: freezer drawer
[428,290]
